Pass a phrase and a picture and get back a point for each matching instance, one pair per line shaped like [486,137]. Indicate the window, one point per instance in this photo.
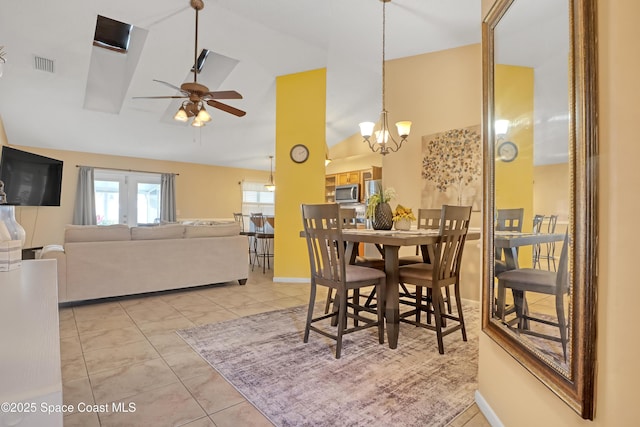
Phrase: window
[256,198]
[131,198]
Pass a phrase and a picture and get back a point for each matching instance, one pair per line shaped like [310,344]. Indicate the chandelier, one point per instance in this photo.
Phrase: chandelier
[270,186]
[384,142]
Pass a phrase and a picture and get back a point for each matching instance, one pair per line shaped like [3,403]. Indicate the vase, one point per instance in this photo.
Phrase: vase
[402,224]
[382,217]
[9,225]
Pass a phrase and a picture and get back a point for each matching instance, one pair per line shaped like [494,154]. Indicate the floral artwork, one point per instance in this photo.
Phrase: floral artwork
[452,168]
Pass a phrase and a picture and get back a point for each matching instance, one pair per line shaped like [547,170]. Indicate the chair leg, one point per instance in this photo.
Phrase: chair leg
[356,304]
[342,322]
[562,323]
[437,304]
[312,301]
[419,305]
[518,302]
[380,313]
[327,305]
[463,328]
[448,294]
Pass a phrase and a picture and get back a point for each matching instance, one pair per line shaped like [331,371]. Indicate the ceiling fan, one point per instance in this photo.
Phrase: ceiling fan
[196,94]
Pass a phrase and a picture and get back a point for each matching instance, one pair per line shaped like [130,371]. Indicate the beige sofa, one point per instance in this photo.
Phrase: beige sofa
[106,261]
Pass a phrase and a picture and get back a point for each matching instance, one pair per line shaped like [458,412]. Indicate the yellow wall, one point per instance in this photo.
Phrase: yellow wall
[514,180]
[300,119]
[517,398]
[201,191]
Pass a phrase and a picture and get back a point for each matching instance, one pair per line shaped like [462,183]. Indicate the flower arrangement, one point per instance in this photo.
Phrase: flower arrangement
[403,213]
[378,198]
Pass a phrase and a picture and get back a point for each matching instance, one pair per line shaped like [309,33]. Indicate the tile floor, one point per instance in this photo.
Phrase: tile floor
[126,350]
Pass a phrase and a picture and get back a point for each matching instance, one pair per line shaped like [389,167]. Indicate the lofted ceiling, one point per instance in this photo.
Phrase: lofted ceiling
[253,42]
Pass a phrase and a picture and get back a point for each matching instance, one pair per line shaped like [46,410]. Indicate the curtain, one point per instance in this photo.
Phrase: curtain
[84,212]
[168,197]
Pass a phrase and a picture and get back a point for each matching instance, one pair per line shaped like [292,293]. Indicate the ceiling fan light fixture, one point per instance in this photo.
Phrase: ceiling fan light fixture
[197,123]
[181,115]
[203,115]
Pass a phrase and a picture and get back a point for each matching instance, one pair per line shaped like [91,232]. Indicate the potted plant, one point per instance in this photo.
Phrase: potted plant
[402,218]
[379,211]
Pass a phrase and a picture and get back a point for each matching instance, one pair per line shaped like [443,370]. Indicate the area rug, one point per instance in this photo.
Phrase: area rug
[298,384]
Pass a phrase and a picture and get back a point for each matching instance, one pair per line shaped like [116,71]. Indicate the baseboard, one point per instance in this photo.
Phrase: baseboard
[291,279]
[487,411]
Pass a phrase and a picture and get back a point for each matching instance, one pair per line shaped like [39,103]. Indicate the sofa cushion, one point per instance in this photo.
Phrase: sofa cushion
[169,231]
[217,230]
[96,233]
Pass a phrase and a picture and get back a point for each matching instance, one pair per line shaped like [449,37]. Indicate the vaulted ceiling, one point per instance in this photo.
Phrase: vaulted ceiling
[253,42]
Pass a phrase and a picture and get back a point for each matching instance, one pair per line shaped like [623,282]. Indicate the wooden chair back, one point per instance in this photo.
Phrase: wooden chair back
[323,231]
[429,219]
[349,217]
[454,225]
[510,219]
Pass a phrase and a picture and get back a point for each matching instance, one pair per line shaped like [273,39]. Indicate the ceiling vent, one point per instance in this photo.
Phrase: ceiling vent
[111,34]
[43,64]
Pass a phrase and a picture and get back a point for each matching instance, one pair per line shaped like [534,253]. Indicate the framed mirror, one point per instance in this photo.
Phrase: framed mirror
[540,163]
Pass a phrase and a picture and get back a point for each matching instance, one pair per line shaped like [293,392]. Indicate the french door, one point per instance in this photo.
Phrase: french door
[127,197]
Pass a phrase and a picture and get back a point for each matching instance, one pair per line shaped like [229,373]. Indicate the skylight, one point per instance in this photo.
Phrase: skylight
[111,34]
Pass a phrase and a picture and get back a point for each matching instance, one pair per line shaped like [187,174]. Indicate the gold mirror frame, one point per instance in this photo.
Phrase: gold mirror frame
[575,386]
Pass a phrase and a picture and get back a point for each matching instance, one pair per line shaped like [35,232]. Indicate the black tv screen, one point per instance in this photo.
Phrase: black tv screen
[30,179]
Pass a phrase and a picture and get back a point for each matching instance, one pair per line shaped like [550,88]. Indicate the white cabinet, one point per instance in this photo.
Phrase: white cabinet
[30,345]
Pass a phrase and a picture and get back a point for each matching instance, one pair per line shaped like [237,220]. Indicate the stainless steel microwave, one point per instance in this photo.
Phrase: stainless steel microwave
[349,193]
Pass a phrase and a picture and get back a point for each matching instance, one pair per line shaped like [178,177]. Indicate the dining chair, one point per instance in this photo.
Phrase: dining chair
[239,218]
[550,248]
[524,280]
[443,272]
[428,219]
[537,227]
[264,241]
[349,220]
[329,268]
[507,220]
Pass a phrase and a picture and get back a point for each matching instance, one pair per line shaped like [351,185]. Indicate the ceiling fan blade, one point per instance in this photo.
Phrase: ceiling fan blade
[171,86]
[222,94]
[224,107]
[160,97]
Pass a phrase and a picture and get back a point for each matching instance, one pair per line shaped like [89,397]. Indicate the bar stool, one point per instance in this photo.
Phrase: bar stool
[264,240]
[251,236]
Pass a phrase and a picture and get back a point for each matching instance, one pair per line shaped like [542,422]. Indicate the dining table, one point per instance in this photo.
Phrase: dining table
[391,241]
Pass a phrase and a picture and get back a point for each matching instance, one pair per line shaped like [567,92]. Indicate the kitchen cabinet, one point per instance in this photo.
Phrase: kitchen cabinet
[350,177]
[330,188]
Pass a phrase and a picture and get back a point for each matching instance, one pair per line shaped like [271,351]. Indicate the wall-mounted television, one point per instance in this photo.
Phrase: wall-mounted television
[30,179]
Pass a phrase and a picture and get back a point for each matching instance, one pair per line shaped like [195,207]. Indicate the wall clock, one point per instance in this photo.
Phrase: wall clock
[299,153]
[507,151]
